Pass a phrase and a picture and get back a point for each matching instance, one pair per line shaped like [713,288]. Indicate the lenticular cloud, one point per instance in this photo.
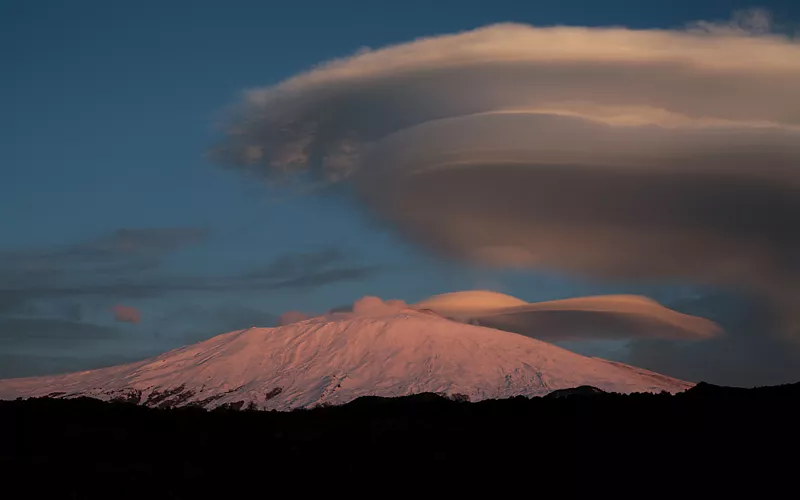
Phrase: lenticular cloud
[607,151]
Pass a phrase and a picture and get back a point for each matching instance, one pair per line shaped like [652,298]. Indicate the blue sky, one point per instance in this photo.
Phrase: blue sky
[109,109]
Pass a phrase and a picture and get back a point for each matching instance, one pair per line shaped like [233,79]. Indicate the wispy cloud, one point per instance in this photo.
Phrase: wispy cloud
[30,365]
[43,334]
[125,251]
[286,271]
[290,265]
[327,277]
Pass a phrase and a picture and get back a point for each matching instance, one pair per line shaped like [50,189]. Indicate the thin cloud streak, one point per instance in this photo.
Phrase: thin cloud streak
[119,277]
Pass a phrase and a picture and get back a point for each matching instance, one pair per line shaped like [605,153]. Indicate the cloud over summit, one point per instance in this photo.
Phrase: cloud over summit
[604,151]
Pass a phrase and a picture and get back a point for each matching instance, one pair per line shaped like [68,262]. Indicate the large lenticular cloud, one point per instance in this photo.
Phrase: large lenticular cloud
[608,151]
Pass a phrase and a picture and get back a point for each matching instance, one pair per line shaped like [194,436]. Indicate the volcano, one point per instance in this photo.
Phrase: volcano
[331,360]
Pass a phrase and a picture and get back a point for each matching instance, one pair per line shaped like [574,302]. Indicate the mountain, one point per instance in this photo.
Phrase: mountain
[335,359]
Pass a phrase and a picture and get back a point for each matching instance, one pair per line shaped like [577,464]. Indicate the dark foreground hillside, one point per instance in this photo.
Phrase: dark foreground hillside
[86,448]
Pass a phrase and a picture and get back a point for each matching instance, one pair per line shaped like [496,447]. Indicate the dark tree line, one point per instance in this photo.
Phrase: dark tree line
[84,448]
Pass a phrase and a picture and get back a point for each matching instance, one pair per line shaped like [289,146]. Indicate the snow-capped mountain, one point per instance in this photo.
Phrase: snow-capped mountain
[335,359]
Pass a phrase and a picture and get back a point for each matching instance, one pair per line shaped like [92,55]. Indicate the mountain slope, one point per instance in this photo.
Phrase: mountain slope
[324,361]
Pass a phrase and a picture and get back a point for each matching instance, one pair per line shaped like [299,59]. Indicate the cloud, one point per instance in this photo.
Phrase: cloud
[31,365]
[14,305]
[71,311]
[341,309]
[365,306]
[744,356]
[25,333]
[609,152]
[121,250]
[289,265]
[580,318]
[312,269]
[326,277]
[755,21]
[126,279]
[46,293]
[133,241]
[115,264]
[375,306]
[126,314]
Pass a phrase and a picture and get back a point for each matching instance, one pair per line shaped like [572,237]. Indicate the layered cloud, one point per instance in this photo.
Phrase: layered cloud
[581,318]
[605,151]
[603,317]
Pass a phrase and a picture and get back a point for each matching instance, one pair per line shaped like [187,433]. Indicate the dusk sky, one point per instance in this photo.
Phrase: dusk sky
[141,210]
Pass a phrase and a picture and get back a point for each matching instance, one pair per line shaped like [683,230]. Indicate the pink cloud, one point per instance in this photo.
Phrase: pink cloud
[126,314]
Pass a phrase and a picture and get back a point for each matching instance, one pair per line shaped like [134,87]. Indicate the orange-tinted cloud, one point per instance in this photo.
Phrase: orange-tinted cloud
[579,318]
[370,306]
[126,314]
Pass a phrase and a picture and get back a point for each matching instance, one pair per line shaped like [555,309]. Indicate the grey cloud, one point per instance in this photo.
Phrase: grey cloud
[341,309]
[160,285]
[72,311]
[34,333]
[31,365]
[153,240]
[286,271]
[124,248]
[290,265]
[753,21]
[328,277]
[602,151]
[101,264]
[11,304]
[128,242]
[316,119]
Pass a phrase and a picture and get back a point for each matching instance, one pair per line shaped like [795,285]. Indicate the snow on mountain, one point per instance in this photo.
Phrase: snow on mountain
[333,361]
